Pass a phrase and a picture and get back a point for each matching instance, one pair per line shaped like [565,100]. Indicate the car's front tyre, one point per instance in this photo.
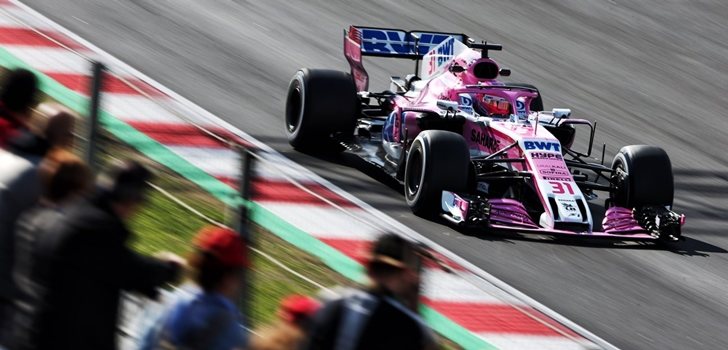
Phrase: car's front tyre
[642,177]
[437,160]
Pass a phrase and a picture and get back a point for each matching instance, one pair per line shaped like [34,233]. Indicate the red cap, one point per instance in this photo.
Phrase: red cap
[295,308]
[223,243]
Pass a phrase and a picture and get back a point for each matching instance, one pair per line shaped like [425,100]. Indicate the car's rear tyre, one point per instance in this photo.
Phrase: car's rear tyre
[320,103]
[536,103]
[642,176]
[437,160]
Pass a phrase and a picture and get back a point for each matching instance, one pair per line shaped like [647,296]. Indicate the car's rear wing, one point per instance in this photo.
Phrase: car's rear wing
[387,42]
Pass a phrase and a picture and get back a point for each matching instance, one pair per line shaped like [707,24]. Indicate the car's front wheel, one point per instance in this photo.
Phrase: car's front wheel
[642,177]
[437,160]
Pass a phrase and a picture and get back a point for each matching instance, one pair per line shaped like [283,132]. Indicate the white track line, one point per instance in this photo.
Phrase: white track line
[516,342]
[323,222]
[441,285]
[219,162]
[51,59]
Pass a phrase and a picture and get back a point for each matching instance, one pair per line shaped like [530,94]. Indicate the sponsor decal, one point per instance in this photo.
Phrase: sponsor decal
[483,187]
[542,145]
[396,42]
[550,178]
[484,139]
[440,55]
[569,206]
[513,215]
[521,107]
[545,155]
[445,51]
[554,172]
[460,203]
[466,103]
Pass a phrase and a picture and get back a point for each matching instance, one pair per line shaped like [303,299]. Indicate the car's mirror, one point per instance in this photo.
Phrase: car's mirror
[561,112]
[573,126]
[446,105]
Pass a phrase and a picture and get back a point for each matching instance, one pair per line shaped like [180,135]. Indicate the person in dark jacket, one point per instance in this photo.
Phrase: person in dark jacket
[382,316]
[65,179]
[84,263]
[18,93]
[20,189]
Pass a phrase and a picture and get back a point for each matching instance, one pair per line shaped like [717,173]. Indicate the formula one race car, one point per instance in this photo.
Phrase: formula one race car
[475,150]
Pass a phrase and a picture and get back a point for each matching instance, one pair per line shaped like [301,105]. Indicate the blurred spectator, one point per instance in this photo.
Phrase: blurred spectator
[20,188]
[382,316]
[65,178]
[83,263]
[18,94]
[209,319]
[288,333]
[56,131]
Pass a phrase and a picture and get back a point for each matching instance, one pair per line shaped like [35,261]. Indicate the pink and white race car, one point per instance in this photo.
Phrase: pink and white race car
[473,149]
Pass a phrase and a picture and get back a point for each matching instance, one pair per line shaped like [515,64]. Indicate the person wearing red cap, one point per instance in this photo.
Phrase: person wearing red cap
[209,319]
[294,316]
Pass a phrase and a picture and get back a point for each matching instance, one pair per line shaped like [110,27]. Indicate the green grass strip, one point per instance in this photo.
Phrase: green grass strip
[453,331]
[303,240]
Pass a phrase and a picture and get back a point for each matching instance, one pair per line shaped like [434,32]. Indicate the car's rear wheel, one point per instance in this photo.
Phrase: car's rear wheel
[642,176]
[437,160]
[320,104]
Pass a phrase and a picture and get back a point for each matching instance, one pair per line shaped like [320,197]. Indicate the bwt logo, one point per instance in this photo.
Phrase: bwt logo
[542,145]
[445,51]
[398,42]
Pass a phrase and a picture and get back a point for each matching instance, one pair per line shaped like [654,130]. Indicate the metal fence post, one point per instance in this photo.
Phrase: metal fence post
[246,189]
[93,113]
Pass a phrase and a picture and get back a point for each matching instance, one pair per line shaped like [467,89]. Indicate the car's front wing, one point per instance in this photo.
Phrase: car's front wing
[510,215]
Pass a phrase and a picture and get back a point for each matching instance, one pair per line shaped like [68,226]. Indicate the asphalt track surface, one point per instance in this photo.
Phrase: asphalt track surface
[653,72]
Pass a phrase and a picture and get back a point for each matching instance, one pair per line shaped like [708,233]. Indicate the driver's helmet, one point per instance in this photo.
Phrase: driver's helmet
[491,106]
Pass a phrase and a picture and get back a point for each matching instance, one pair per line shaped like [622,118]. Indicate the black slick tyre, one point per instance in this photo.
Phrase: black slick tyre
[437,160]
[642,177]
[320,103]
